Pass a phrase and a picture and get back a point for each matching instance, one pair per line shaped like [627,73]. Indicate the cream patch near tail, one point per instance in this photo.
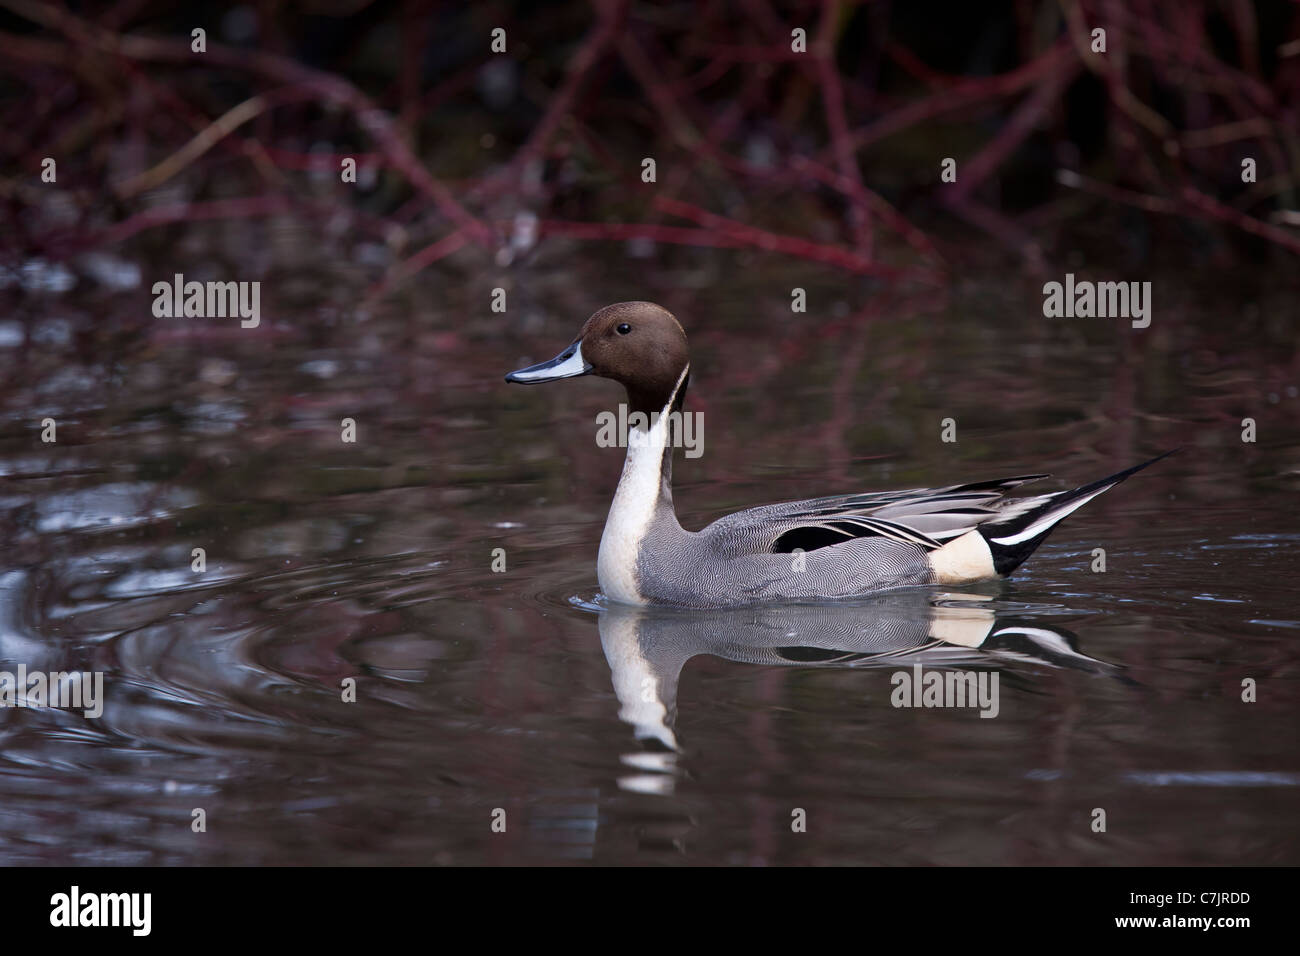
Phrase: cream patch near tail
[967,558]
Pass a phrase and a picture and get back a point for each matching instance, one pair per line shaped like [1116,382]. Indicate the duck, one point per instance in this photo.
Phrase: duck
[820,549]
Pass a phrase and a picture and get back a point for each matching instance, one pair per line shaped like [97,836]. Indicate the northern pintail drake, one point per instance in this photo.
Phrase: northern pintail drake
[838,547]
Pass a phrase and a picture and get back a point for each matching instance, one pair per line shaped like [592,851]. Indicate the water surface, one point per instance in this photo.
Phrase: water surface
[521,691]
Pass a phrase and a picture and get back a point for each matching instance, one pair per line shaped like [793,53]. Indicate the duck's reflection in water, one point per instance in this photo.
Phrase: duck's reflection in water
[647,648]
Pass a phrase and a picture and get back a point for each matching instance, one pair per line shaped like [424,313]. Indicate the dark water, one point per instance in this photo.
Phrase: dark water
[519,691]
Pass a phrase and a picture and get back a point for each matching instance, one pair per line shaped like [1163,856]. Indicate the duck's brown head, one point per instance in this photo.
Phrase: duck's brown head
[639,344]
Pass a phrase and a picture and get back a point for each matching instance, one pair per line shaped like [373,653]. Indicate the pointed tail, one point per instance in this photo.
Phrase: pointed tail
[1013,539]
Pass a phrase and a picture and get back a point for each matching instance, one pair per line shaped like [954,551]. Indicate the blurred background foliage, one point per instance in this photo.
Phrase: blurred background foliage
[833,155]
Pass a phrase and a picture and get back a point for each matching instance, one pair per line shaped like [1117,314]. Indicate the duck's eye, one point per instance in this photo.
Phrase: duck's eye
[623,328]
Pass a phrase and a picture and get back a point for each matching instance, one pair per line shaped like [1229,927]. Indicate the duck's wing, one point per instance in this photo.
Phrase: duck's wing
[923,516]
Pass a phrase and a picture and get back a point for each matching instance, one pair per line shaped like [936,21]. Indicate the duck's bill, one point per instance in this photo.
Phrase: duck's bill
[568,364]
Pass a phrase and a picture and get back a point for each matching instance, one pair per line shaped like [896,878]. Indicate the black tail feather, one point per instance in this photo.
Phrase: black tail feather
[1013,540]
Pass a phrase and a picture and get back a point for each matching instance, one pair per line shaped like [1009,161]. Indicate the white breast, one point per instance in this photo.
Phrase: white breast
[630,514]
